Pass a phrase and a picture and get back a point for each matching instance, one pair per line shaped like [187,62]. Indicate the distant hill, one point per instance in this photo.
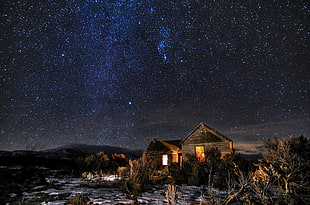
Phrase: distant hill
[60,157]
[93,149]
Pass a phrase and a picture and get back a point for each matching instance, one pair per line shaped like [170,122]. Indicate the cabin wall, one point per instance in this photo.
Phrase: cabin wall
[189,149]
[158,158]
[201,139]
[202,136]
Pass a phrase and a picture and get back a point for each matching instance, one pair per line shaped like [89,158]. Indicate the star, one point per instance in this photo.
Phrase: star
[122,73]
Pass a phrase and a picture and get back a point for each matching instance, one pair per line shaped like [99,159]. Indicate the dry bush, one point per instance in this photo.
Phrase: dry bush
[122,171]
[213,172]
[138,178]
[103,164]
[171,194]
[78,200]
[118,160]
[96,162]
[285,166]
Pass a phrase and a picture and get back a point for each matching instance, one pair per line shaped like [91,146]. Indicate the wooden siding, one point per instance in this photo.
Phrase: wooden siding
[180,150]
[204,134]
[189,149]
[222,146]
[158,158]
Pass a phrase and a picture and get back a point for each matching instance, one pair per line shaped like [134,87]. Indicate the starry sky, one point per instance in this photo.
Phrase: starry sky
[122,72]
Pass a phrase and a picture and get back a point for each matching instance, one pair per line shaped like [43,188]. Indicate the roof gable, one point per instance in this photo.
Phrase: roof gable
[204,134]
[164,146]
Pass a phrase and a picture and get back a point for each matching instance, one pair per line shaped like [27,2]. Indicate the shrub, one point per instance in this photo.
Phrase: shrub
[122,171]
[207,172]
[118,160]
[78,200]
[171,194]
[96,162]
[139,175]
[102,163]
[286,166]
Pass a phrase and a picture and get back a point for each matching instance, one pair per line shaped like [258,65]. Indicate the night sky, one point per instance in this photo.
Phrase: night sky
[120,73]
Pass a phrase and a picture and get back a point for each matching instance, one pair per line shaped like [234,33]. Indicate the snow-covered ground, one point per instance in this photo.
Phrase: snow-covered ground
[59,190]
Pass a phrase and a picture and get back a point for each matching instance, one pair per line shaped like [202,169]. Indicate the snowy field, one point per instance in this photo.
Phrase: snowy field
[59,190]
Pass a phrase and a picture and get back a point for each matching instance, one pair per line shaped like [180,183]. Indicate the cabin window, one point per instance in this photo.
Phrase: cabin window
[200,153]
[231,145]
[181,160]
[175,158]
[165,159]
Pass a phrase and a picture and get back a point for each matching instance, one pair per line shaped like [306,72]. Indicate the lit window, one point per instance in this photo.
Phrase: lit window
[165,159]
[231,145]
[175,157]
[200,153]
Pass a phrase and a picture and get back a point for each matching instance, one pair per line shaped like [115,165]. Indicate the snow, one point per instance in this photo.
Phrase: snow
[111,178]
[58,202]
[60,190]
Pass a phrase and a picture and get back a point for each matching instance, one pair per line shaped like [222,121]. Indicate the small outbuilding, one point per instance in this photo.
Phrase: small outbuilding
[164,152]
[195,144]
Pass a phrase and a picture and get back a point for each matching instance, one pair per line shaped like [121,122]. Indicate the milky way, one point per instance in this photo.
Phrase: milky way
[123,72]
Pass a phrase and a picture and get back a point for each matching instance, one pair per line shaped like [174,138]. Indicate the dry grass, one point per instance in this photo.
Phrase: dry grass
[78,200]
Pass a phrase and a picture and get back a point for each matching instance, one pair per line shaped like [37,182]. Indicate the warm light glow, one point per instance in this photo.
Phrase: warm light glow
[175,157]
[231,145]
[200,153]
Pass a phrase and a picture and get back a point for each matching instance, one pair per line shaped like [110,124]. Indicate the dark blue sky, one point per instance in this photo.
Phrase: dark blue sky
[124,72]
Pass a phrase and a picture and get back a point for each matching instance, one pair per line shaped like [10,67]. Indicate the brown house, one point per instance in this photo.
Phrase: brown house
[195,144]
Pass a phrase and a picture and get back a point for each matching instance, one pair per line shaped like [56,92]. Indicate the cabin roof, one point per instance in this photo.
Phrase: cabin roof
[164,146]
[211,135]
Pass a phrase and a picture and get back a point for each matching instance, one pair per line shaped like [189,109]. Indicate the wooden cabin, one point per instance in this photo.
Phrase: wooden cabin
[164,152]
[203,138]
[195,144]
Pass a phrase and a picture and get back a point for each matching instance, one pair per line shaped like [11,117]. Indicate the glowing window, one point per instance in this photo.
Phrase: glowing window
[165,159]
[175,158]
[200,153]
[231,145]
